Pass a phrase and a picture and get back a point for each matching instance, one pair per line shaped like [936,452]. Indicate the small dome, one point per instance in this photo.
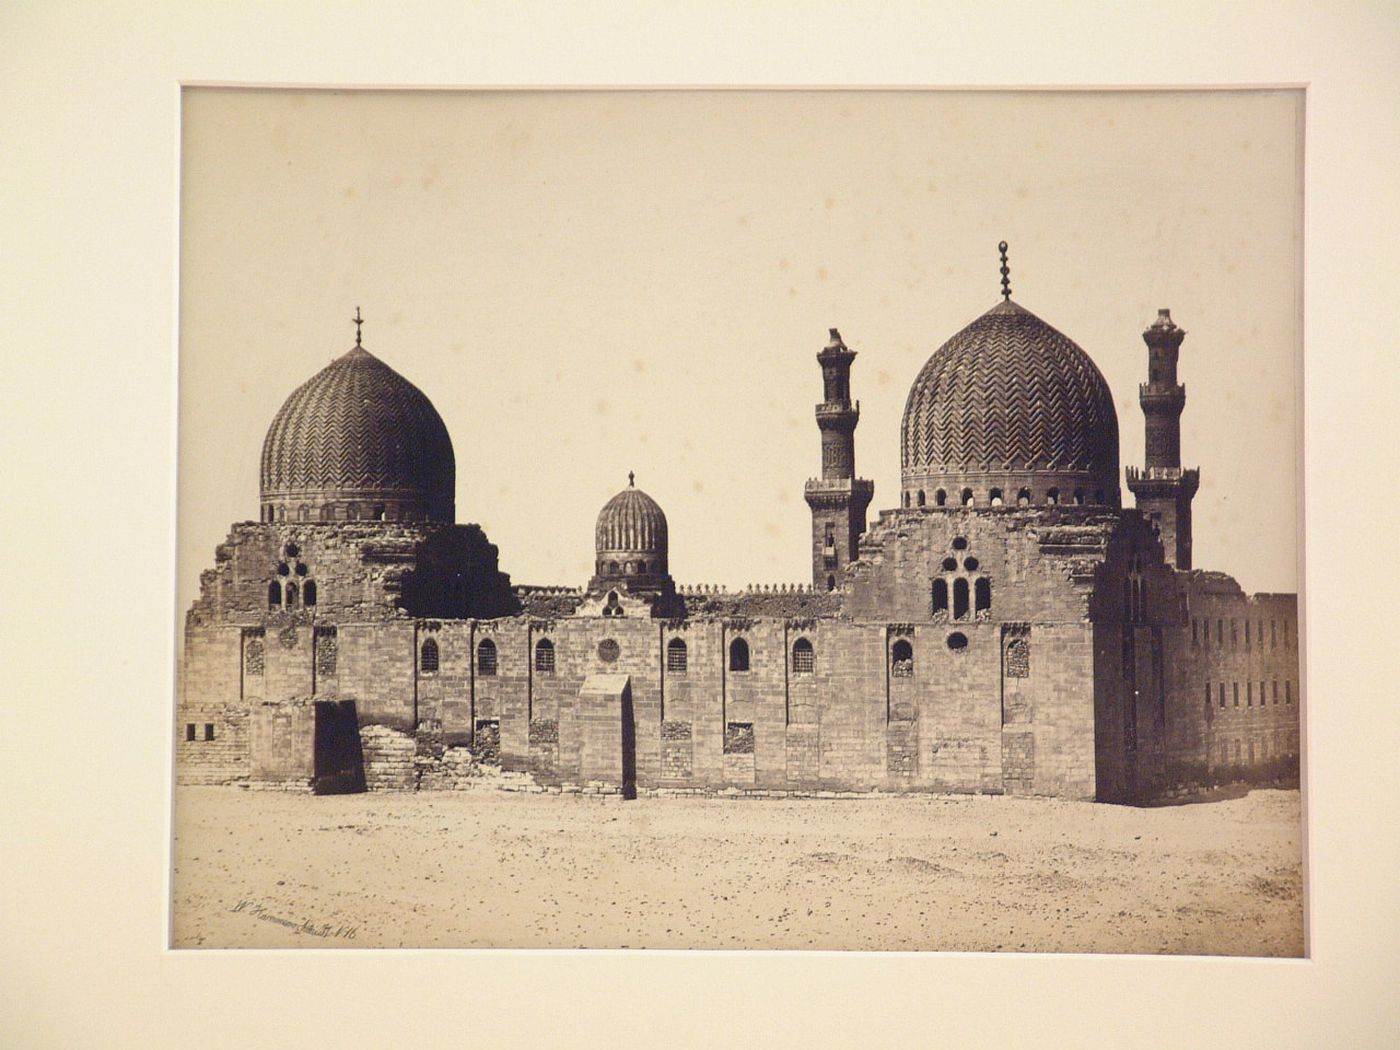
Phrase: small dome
[1010,405]
[631,523]
[358,441]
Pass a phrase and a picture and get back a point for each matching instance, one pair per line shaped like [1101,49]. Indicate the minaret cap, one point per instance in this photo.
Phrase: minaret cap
[1164,330]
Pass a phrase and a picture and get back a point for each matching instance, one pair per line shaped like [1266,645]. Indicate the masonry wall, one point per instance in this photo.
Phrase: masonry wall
[1080,677]
[1237,689]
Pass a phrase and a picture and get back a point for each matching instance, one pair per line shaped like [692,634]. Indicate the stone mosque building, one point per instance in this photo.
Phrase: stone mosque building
[1009,627]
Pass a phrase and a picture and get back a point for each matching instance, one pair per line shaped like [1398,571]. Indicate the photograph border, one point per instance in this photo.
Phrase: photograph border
[88,882]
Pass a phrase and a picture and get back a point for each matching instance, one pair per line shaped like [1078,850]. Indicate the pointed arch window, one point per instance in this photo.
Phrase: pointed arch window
[677,657]
[960,599]
[738,655]
[544,656]
[428,657]
[804,658]
[940,596]
[902,659]
[274,595]
[967,497]
[486,658]
[308,593]
[982,595]
[921,497]
[940,498]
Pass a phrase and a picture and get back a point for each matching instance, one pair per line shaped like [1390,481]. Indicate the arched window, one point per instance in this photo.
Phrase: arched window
[379,513]
[274,594]
[291,595]
[352,512]
[803,658]
[906,499]
[676,656]
[967,497]
[940,498]
[308,593]
[921,497]
[631,568]
[996,497]
[1023,498]
[831,583]
[303,513]
[327,513]
[428,657]
[1078,497]
[940,596]
[612,566]
[1098,495]
[902,659]
[738,655]
[486,658]
[1053,497]
[544,656]
[959,598]
[982,595]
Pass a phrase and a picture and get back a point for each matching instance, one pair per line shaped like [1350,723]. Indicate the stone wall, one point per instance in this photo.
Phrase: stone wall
[1080,676]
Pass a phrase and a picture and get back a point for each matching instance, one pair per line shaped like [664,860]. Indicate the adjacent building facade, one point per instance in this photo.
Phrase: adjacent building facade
[1007,628]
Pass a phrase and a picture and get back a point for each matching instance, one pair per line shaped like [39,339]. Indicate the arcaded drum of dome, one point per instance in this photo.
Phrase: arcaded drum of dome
[631,523]
[1009,410]
[358,441]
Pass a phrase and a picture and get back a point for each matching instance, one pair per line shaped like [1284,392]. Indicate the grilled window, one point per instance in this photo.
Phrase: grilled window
[803,658]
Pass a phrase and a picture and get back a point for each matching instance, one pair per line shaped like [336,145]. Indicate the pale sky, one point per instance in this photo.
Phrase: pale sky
[589,283]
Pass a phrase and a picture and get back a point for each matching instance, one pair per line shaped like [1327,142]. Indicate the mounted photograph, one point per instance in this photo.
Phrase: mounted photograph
[532,594]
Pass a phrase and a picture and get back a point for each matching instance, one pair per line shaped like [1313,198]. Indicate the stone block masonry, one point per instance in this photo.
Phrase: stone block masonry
[1042,652]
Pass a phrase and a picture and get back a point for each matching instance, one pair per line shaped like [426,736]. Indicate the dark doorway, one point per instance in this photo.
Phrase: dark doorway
[339,762]
[629,745]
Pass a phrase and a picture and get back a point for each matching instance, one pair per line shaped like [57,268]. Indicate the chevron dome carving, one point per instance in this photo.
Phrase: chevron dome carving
[357,430]
[1009,393]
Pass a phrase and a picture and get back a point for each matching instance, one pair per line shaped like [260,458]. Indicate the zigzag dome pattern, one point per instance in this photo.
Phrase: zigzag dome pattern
[358,441]
[631,523]
[1011,400]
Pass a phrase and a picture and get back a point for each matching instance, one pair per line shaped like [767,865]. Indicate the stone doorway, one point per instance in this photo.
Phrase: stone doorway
[339,763]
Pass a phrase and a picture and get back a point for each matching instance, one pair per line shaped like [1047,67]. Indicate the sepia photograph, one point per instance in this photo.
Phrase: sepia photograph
[532,593]
[789,524]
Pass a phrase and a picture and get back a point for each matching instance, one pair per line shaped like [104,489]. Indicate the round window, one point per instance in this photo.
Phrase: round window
[949,564]
[609,651]
[970,564]
[960,543]
[957,641]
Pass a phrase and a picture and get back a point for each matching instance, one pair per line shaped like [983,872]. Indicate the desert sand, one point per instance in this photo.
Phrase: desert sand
[487,868]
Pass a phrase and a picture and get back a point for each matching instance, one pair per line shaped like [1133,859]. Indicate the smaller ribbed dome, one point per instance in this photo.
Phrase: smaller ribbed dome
[631,523]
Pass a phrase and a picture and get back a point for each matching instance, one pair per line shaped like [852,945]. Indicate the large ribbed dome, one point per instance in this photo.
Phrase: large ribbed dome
[1009,407]
[358,441]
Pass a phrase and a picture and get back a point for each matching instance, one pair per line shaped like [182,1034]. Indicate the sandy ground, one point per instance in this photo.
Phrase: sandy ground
[496,869]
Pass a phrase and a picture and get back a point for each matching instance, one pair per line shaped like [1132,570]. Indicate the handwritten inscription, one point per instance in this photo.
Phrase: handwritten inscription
[311,929]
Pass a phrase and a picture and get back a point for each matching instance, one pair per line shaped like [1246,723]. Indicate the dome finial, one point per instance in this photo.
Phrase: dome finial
[1005,273]
[358,321]
[631,479]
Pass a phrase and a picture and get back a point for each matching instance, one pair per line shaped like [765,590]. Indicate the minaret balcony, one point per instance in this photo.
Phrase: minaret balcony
[1172,397]
[1163,482]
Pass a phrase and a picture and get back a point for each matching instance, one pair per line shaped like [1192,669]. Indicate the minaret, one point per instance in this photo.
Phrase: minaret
[838,498]
[1163,490]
